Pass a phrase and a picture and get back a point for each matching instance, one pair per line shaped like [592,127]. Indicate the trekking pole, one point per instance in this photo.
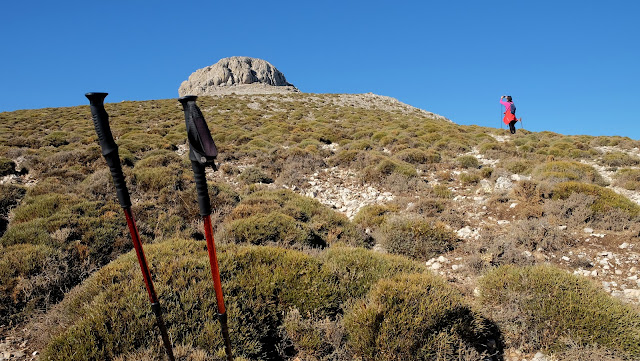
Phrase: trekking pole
[202,153]
[110,153]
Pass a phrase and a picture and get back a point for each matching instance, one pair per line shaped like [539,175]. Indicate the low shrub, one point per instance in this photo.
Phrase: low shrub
[254,175]
[538,306]
[303,221]
[374,215]
[468,161]
[618,159]
[279,302]
[469,178]
[418,156]
[17,264]
[518,166]
[562,171]
[10,196]
[628,179]
[606,199]
[416,317]
[574,211]
[534,234]
[41,206]
[416,237]
[358,269]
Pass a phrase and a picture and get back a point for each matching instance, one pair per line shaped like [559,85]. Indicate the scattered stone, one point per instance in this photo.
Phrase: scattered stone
[436,266]
[503,183]
[565,258]
[588,230]
[625,245]
[539,356]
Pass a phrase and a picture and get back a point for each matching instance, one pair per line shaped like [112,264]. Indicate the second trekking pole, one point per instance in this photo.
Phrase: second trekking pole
[202,153]
[110,153]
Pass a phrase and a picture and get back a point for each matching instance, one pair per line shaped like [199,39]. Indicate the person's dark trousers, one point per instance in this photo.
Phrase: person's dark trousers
[512,126]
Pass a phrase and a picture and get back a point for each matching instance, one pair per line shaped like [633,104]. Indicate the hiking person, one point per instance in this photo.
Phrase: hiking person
[509,113]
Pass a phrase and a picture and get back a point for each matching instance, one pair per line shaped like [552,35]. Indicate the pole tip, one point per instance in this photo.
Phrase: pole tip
[96,95]
[187,98]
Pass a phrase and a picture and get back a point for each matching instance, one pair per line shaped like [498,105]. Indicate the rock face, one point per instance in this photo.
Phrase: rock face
[237,74]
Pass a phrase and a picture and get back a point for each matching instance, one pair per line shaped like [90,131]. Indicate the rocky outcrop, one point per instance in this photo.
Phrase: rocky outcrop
[237,74]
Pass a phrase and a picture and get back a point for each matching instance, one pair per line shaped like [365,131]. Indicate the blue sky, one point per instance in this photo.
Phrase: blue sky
[572,67]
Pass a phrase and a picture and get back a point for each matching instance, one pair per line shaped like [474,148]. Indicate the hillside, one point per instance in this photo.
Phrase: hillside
[349,226]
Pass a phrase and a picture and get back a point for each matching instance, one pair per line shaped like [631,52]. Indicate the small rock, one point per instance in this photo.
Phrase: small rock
[513,205]
[632,293]
[442,259]
[502,222]
[588,230]
[539,356]
[436,266]
[565,258]
[35,353]
[624,245]
[562,228]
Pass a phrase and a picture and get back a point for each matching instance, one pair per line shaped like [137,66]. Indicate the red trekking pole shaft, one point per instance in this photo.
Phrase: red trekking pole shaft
[202,153]
[110,153]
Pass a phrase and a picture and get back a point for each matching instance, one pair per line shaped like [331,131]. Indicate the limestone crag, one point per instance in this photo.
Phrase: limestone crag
[237,74]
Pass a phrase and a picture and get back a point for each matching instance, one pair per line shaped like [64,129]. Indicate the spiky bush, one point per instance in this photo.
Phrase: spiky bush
[628,179]
[562,171]
[416,237]
[415,317]
[288,219]
[546,304]
[261,285]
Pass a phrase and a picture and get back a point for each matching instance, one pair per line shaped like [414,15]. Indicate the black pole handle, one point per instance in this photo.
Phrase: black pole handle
[201,186]
[108,145]
[202,148]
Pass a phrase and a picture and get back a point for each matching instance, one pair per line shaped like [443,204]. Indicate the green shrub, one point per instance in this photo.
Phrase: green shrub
[618,159]
[372,216]
[517,166]
[303,221]
[109,314]
[415,237]
[30,232]
[10,195]
[415,317]
[562,171]
[18,263]
[468,161]
[418,156]
[547,304]
[254,175]
[56,139]
[606,199]
[42,206]
[359,269]
[388,171]
[468,178]
[628,179]
[274,227]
